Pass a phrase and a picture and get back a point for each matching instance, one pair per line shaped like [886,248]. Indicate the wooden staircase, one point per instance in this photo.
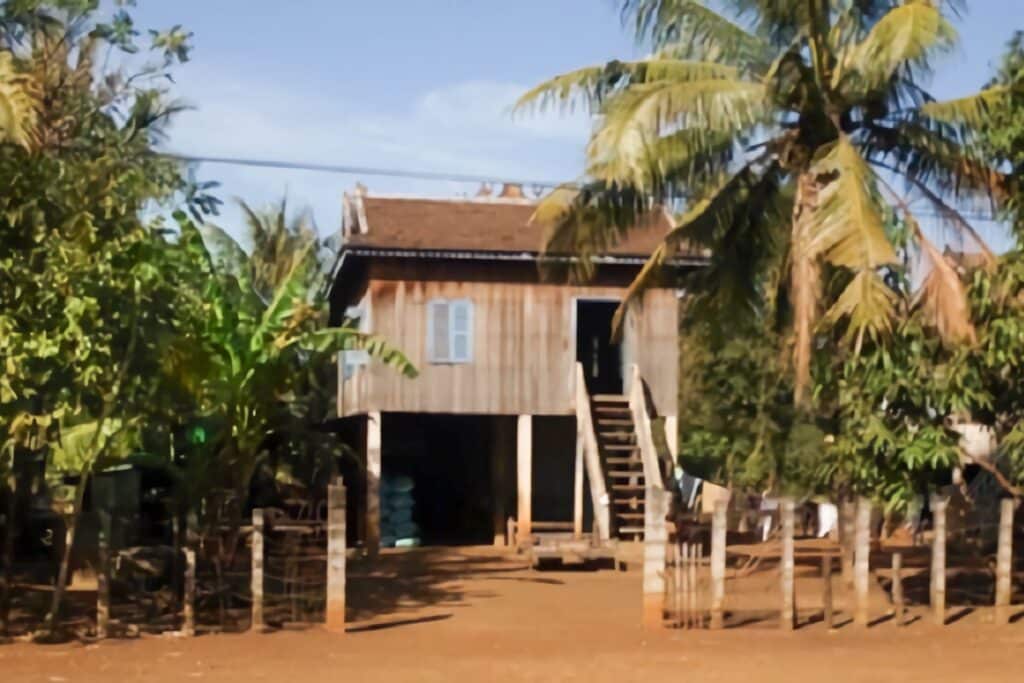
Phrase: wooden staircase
[621,463]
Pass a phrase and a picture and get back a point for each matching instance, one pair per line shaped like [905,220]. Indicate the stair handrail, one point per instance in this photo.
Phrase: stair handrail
[592,457]
[641,411]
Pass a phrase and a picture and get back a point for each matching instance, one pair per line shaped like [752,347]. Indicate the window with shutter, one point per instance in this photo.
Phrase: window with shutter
[450,331]
[461,313]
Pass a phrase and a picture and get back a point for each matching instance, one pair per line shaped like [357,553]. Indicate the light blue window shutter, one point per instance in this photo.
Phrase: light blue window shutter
[438,332]
[461,331]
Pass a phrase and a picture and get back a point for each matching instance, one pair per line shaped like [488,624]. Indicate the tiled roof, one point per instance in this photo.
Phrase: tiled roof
[491,225]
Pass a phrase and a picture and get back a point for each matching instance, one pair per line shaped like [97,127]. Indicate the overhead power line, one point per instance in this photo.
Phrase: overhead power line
[362,170]
[344,169]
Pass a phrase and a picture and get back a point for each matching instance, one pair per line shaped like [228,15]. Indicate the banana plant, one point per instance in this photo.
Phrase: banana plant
[242,361]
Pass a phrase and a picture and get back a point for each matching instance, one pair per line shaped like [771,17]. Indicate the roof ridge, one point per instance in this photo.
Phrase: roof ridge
[526,201]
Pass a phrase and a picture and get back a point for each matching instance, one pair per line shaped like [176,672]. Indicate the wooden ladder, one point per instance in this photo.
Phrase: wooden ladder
[622,464]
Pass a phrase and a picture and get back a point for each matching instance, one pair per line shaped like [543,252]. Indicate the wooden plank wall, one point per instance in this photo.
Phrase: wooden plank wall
[523,349]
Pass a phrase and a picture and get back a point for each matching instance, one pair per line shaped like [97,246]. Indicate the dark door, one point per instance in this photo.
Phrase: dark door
[601,359]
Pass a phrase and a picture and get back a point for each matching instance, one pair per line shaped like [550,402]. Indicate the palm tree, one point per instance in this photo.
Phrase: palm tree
[278,241]
[780,127]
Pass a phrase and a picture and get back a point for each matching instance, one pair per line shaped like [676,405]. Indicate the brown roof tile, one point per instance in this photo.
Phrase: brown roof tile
[469,225]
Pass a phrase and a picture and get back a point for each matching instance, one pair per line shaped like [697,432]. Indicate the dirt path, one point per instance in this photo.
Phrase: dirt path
[471,616]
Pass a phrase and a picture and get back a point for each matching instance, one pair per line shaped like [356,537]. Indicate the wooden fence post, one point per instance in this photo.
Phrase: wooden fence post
[1004,562]
[847,514]
[188,625]
[718,543]
[828,615]
[655,541]
[899,606]
[336,539]
[861,560]
[103,577]
[256,579]
[788,615]
[938,574]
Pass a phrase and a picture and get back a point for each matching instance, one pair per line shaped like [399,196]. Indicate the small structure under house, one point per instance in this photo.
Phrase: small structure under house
[527,419]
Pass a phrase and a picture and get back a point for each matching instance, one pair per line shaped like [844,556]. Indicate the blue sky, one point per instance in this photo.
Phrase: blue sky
[417,84]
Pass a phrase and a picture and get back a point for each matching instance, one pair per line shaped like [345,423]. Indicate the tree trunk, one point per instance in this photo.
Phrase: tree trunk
[49,626]
[804,282]
[7,560]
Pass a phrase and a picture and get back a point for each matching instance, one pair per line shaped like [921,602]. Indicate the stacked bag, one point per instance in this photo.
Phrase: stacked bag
[397,527]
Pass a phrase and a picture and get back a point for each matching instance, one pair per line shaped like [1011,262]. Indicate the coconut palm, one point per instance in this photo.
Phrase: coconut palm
[779,128]
[278,241]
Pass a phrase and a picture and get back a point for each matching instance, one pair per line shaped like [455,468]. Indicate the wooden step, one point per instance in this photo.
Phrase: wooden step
[606,408]
[623,461]
[610,398]
[618,435]
[612,422]
[631,529]
[629,515]
[627,487]
[621,447]
[625,474]
[633,502]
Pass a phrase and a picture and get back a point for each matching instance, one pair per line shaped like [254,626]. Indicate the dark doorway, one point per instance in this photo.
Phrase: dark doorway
[436,483]
[601,358]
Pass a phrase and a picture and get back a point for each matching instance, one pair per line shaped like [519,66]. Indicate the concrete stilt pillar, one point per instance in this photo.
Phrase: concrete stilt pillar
[498,450]
[373,470]
[524,475]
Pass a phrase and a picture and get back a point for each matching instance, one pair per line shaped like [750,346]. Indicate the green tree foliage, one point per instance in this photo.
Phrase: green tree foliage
[777,122]
[85,312]
[118,332]
[1004,131]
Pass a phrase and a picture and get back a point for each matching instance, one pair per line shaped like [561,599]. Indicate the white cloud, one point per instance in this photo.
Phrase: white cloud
[464,128]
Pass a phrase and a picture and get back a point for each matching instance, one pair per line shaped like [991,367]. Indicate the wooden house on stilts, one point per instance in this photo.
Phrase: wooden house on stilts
[524,406]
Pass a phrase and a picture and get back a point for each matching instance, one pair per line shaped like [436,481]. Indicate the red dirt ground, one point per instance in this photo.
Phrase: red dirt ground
[472,615]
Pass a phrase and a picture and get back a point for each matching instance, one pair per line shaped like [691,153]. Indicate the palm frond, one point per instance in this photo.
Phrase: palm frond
[849,229]
[685,162]
[972,110]
[590,87]
[635,120]
[18,104]
[728,225]
[587,221]
[931,154]
[692,29]
[942,296]
[905,36]
[866,304]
